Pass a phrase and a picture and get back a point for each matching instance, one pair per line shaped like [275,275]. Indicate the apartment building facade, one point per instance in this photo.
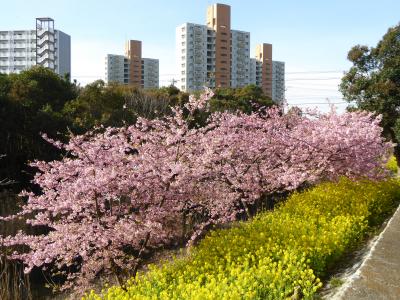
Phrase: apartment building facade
[215,55]
[150,73]
[117,69]
[45,46]
[132,69]
[278,81]
[240,58]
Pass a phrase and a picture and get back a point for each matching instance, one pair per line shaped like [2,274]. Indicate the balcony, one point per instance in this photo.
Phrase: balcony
[21,46]
[20,63]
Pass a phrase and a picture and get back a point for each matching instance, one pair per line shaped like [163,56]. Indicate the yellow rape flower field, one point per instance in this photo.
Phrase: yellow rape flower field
[280,254]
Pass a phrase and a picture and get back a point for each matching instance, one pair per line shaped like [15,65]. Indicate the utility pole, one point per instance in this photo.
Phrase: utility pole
[173,81]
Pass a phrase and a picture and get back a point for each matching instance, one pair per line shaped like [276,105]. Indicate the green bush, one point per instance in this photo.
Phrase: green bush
[275,255]
[392,164]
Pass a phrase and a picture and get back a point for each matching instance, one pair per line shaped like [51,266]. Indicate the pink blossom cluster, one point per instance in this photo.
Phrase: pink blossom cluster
[161,180]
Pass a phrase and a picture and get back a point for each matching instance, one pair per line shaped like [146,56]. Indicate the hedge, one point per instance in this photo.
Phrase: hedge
[276,255]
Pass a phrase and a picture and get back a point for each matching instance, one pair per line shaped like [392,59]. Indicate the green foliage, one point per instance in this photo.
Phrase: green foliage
[246,99]
[98,104]
[31,103]
[243,99]
[335,282]
[373,83]
[171,93]
[276,255]
[392,164]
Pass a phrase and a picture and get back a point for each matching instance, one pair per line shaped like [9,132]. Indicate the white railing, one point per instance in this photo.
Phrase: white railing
[40,32]
[44,48]
[18,45]
[47,38]
[46,56]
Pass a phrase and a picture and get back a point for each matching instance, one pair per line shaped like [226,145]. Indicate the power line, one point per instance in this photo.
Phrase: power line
[315,72]
[318,103]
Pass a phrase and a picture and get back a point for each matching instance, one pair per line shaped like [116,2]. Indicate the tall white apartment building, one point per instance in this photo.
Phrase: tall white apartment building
[198,57]
[253,71]
[131,69]
[278,81]
[193,41]
[45,46]
[150,73]
[240,58]
[204,51]
[117,69]
[215,55]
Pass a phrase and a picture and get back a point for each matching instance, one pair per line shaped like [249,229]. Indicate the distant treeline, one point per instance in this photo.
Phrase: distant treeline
[39,101]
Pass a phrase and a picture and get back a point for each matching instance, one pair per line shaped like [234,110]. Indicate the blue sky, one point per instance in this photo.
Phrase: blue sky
[309,35]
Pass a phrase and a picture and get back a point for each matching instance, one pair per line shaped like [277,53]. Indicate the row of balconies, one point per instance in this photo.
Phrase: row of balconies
[17,45]
[23,54]
[17,63]
[17,37]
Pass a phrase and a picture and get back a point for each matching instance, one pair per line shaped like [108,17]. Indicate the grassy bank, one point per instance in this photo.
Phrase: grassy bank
[276,255]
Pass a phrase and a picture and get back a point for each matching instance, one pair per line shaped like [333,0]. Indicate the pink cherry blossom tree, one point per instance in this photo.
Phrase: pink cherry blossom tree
[120,191]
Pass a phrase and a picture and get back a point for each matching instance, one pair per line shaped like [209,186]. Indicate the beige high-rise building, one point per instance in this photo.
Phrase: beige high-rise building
[219,19]
[215,55]
[264,58]
[133,51]
[132,69]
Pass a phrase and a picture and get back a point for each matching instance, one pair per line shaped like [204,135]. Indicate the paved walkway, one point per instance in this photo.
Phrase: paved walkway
[379,275]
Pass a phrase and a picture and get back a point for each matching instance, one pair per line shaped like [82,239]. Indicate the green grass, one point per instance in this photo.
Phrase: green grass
[335,282]
[276,254]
